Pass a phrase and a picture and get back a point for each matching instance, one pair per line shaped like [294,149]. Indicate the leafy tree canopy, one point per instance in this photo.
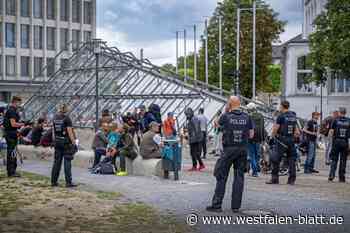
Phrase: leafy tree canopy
[268,31]
[330,43]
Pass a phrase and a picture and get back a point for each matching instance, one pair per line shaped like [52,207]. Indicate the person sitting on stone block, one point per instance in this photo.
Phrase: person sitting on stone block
[127,149]
[151,143]
[100,142]
[112,146]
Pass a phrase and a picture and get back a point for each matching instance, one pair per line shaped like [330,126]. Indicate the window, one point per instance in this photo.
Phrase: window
[64,63]
[38,8]
[87,36]
[50,64]
[339,83]
[11,7]
[25,36]
[10,35]
[25,8]
[38,66]
[50,38]
[64,39]
[0,62]
[304,63]
[25,66]
[76,11]
[51,9]
[64,8]
[75,39]
[1,7]
[87,12]
[10,65]
[38,37]
[304,76]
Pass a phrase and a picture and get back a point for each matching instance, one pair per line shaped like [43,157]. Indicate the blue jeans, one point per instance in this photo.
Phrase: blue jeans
[311,155]
[98,154]
[254,157]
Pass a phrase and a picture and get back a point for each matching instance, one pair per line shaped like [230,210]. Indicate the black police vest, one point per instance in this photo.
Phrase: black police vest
[287,129]
[342,128]
[59,127]
[235,129]
[6,122]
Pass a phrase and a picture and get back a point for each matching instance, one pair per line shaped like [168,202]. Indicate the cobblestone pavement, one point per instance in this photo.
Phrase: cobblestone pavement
[311,195]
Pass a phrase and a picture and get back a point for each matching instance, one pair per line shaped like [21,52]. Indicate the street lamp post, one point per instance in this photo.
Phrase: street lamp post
[97,50]
[220,53]
[195,53]
[237,48]
[177,52]
[206,54]
[185,55]
[254,49]
[323,84]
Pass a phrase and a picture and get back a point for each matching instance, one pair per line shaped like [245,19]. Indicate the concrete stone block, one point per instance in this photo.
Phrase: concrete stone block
[147,167]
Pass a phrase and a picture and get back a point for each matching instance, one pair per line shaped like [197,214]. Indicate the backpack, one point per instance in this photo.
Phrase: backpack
[104,169]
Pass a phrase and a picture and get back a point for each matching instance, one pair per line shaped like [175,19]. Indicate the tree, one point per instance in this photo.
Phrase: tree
[275,75]
[169,67]
[330,43]
[268,31]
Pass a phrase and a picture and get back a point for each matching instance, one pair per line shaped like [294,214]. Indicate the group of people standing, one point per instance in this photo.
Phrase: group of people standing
[333,131]
[63,137]
[238,132]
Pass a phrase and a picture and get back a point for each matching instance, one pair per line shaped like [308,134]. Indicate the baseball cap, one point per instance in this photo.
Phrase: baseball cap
[153,123]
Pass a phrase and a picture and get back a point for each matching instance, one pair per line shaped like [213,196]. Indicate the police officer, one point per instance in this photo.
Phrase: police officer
[11,125]
[284,132]
[237,128]
[340,131]
[65,144]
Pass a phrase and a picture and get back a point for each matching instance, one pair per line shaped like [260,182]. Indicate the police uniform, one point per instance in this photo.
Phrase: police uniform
[11,139]
[285,145]
[341,127]
[62,144]
[235,126]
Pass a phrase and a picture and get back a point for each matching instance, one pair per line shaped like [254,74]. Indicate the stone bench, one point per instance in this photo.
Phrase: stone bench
[85,159]
[36,153]
[82,159]
[147,167]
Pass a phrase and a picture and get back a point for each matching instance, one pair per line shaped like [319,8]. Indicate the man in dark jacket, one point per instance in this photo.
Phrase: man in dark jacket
[65,142]
[237,128]
[340,133]
[254,146]
[195,138]
[11,125]
[311,131]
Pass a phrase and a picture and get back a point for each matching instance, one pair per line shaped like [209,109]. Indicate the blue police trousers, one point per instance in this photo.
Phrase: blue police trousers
[57,164]
[236,156]
[11,141]
[339,152]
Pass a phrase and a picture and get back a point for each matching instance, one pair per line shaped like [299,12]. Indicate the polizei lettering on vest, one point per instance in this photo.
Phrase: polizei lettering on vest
[238,121]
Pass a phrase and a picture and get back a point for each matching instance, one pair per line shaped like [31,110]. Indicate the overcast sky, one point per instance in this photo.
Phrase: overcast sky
[151,24]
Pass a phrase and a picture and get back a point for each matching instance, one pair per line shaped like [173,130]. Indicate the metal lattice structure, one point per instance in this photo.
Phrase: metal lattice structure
[125,82]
